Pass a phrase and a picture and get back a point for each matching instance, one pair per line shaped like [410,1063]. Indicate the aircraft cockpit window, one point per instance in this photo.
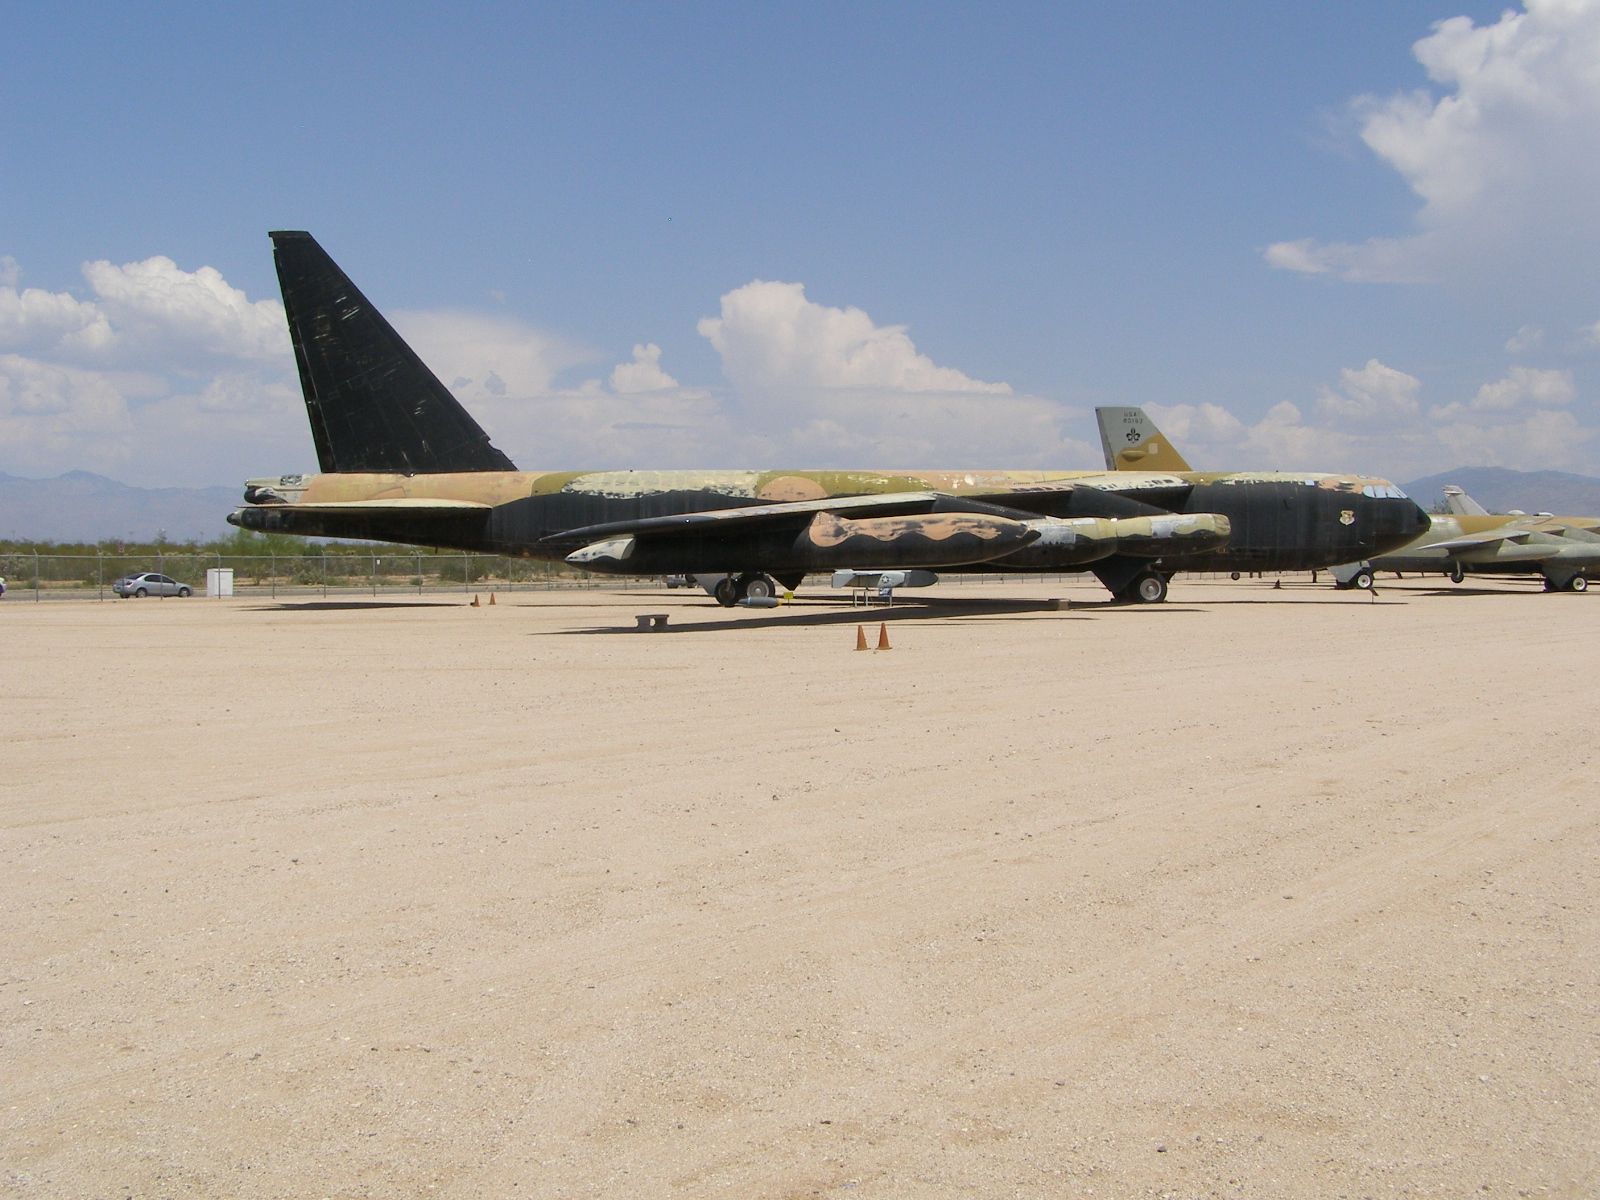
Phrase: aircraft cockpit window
[1383,491]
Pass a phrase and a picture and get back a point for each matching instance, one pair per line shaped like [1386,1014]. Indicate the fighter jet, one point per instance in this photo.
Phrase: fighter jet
[1563,551]
[1470,540]
[402,461]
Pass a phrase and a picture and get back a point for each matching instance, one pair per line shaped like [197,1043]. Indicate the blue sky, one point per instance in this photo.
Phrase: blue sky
[1340,237]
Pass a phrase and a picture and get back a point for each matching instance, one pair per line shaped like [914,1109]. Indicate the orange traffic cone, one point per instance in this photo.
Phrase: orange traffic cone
[883,637]
[861,637]
[491,597]
[474,600]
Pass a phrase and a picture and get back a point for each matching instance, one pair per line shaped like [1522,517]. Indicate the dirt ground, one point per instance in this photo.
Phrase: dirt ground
[1257,893]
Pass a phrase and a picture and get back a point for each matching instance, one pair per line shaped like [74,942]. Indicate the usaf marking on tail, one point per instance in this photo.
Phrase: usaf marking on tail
[402,461]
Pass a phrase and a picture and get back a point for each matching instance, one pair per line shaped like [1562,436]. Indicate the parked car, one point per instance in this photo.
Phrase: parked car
[148,583]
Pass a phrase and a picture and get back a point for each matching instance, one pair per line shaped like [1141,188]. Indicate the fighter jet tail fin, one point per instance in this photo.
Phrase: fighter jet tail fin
[1461,504]
[1132,442]
[373,404]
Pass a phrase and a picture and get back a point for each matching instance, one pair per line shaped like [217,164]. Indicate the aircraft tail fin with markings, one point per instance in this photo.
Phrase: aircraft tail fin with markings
[1132,442]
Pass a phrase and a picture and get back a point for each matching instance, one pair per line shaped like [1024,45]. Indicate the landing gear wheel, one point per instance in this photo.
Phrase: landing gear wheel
[1362,580]
[1578,584]
[726,592]
[755,587]
[1149,588]
[1456,573]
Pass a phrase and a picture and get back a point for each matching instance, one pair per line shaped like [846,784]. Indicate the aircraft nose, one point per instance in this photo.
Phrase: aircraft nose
[1417,519]
[1400,520]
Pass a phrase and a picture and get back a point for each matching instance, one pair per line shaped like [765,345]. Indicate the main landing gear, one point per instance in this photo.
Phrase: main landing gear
[752,585]
[1147,587]
[1358,578]
[1576,584]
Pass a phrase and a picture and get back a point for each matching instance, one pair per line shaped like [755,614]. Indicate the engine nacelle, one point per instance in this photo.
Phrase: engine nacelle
[1065,543]
[828,542]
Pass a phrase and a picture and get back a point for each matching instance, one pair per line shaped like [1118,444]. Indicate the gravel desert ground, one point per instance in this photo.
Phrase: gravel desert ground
[1258,893]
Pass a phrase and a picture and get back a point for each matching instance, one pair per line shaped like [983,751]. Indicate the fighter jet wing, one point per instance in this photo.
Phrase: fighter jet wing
[1477,541]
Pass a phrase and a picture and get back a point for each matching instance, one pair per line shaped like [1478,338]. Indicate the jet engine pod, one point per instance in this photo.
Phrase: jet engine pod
[1074,542]
[610,557]
[1172,536]
[928,540]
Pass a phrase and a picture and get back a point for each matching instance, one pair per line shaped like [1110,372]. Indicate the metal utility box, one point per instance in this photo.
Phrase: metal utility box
[219,581]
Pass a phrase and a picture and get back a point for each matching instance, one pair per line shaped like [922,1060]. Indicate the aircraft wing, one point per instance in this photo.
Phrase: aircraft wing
[399,507]
[787,513]
[1017,502]
[1477,541]
[1162,491]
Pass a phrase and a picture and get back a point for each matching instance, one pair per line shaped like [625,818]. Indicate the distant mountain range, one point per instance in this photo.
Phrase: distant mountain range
[83,507]
[1501,490]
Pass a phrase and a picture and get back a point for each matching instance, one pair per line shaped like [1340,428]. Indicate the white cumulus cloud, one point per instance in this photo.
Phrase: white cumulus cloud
[1371,393]
[1374,422]
[1523,387]
[1546,439]
[1528,337]
[159,375]
[157,303]
[643,374]
[1210,424]
[1504,154]
[36,321]
[827,386]
[769,333]
[50,409]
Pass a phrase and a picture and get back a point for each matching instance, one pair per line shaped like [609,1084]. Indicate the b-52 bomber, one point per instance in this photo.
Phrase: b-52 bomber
[402,461]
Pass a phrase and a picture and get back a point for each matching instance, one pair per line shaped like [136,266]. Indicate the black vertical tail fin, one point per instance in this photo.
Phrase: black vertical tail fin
[373,404]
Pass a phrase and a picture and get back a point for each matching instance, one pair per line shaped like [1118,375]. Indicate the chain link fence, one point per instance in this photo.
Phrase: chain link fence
[31,576]
[90,576]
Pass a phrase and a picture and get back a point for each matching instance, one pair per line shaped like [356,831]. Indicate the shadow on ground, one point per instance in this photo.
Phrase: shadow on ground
[348,605]
[812,614]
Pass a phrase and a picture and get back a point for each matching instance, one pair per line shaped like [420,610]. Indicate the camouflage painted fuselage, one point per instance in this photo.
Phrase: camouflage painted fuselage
[1502,544]
[1273,521]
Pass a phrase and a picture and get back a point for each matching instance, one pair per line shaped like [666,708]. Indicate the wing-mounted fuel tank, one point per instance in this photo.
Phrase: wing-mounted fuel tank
[1065,543]
[826,542]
